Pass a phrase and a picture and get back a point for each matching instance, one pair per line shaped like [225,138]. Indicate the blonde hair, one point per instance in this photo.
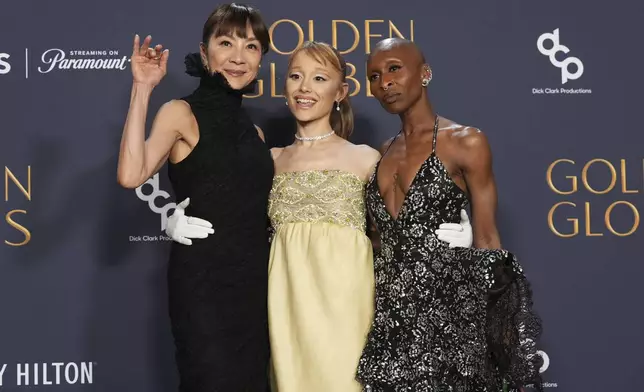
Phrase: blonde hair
[341,120]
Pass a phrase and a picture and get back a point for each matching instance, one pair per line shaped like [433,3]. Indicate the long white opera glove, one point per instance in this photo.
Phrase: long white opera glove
[457,234]
[182,228]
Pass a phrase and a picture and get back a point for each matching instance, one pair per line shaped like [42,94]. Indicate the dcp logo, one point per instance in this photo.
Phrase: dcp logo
[156,193]
[5,67]
[546,361]
[566,75]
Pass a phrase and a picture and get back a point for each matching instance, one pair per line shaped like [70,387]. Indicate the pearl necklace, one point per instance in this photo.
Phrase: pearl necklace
[313,138]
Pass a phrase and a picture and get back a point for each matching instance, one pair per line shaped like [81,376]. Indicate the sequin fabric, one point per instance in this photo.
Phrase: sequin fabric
[446,319]
[332,196]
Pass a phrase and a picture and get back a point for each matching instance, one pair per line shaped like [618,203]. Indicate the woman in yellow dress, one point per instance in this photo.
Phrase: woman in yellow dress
[321,278]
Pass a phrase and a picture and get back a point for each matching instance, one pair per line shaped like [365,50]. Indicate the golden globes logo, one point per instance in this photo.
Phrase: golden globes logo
[567,178]
[354,37]
[13,217]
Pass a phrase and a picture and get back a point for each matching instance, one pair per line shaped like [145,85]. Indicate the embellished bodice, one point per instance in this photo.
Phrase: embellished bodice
[332,196]
[433,198]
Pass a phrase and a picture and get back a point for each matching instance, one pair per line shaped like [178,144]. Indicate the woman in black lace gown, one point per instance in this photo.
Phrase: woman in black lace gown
[217,287]
[446,319]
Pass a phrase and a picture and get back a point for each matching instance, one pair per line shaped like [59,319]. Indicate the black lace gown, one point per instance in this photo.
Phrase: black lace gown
[446,319]
[218,285]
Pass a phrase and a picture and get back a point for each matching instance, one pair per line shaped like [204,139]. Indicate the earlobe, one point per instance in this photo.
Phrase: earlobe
[426,71]
[204,56]
[345,92]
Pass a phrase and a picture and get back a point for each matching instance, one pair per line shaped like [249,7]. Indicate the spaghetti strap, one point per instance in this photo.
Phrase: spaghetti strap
[389,146]
[434,136]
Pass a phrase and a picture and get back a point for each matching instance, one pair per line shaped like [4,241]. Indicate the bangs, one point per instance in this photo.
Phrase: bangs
[233,21]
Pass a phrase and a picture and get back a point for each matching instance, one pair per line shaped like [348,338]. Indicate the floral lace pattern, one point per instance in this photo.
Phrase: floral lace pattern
[446,319]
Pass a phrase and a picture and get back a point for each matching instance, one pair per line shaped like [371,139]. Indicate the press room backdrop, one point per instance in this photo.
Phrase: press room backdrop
[556,87]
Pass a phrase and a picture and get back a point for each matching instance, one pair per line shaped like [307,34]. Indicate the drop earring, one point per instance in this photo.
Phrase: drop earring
[337,106]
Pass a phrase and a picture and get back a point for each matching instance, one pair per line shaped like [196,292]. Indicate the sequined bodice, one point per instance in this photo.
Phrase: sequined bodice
[432,199]
[332,196]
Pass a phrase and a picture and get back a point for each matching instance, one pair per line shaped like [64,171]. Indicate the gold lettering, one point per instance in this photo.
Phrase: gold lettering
[575,221]
[298,28]
[636,218]
[584,176]
[8,174]
[572,178]
[368,35]
[334,35]
[260,90]
[274,93]
[18,227]
[394,30]
[367,89]
[350,77]
[623,175]
[587,217]
[311,31]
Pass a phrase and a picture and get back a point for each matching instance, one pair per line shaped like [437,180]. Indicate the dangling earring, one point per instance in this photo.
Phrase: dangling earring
[338,106]
[286,103]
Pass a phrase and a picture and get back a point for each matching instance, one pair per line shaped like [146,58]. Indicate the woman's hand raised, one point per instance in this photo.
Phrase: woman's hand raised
[149,65]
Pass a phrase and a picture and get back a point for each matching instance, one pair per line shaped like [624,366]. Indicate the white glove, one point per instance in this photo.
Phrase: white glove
[181,227]
[457,234]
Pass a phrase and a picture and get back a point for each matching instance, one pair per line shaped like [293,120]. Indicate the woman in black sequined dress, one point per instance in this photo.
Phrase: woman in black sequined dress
[446,319]
[217,158]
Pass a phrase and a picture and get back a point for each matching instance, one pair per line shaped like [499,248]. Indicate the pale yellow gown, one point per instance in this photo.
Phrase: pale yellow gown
[321,281]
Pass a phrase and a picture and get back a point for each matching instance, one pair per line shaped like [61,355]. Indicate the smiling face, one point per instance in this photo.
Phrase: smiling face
[314,86]
[237,58]
[234,39]
[395,74]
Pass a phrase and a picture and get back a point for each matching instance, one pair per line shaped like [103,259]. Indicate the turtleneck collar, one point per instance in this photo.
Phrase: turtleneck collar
[214,87]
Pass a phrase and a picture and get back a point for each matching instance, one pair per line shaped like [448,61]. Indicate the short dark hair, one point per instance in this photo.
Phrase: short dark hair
[232,19]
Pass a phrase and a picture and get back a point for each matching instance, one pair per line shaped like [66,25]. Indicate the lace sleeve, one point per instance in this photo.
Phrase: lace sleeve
[513,327]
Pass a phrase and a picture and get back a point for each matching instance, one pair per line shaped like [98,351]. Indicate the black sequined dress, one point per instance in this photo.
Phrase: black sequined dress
[218,285]
[446,319]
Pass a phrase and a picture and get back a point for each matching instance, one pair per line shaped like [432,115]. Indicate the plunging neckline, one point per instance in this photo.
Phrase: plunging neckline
[413,181]
[409,190]
[412,186]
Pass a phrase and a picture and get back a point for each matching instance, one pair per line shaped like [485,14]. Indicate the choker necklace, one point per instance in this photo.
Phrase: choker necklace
[313,138]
